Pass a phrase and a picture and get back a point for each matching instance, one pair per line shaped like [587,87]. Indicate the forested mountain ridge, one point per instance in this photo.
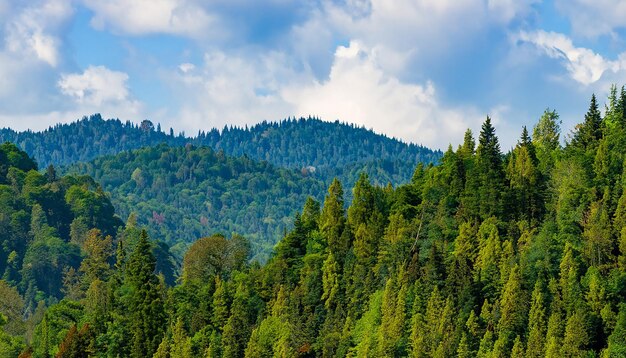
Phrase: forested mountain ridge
[183,193]
[305,144]
[487,254]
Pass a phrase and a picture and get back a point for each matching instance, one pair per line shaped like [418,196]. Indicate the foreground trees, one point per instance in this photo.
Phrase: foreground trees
[483,255]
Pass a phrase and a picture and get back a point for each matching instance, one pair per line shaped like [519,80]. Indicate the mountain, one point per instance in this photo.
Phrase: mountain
[488,254]
[323,149]
[44,221]
[184,193]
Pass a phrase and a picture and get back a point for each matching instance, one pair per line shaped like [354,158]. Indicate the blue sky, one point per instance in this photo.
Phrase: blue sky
[419,70]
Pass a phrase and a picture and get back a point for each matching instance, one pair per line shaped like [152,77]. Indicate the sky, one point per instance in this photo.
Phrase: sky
[419,70]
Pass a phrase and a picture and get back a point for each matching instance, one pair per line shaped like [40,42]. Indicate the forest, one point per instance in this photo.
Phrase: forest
[332,148]
[183,193]
[483,254]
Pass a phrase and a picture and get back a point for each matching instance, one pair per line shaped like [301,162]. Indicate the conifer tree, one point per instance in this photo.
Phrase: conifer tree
[332,219]
[489,171]
[513,309]
[617,339]
[146,302]
[590,131]
[536,324]
[238,327]
[576,335]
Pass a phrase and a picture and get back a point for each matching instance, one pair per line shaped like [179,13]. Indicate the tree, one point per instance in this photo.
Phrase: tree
[524,178]
[617,339]
[576,336]
[590,131]
[145,302]
[598,245]
[546,135]
[489,171]
[98,253]
[537,324]
[75,344]
[330,281]
[513,309]
[332,219]
[238,327]
[214,255]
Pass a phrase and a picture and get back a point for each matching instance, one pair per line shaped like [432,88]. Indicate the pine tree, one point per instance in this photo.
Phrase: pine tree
[536,324]
[220,304]
[487,267]
[524,179]
[590,131]
[238,327]
[332,219]
[96,264]
[617,339]
[330,281]
[146,302]
[489,172]
[518,348]
[546,135]
[576,336]
[513,309]
[181,344]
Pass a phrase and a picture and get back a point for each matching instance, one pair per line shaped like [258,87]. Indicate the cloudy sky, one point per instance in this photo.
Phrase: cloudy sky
[419,70]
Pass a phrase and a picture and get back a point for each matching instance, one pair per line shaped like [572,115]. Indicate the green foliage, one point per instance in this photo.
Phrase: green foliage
[145,302]
[330,147]
[186,193]
[484,255]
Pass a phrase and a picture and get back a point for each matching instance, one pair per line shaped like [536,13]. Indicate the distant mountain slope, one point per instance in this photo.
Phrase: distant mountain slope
[307,144]
[184,193]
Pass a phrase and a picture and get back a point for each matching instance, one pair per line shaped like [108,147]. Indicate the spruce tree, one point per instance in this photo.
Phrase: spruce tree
[489,172]
[536,323]
[590,131]
[332,219]
[145,301]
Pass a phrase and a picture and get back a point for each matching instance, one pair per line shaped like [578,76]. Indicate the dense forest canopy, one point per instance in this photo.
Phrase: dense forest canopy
[183,193]
[488,254]
[323,149]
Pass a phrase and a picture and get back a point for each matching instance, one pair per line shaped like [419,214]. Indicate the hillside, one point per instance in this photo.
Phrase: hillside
[488,254]
[329,147]
[184,193]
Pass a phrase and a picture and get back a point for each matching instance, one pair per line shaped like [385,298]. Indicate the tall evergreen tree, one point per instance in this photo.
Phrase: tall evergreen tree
[145,301]
[590,131]
[489,172]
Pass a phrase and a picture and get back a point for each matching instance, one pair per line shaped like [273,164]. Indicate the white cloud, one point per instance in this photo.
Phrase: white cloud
[584,65]
[242,90]
[186,67]
[377,80]
[31,53]
[507,10]
[33,31]
[138,17]
[231,89]
[359,91]
[593,18]
[95,90]
[97,85]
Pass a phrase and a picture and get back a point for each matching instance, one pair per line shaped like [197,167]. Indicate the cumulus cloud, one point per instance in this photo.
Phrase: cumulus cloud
[138,17]
[31,53]
[95,90]
[241,90]
[231,89]
[263,60]
[359,91]
[583,65]
[95,86]
[33,31]
[593,18]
